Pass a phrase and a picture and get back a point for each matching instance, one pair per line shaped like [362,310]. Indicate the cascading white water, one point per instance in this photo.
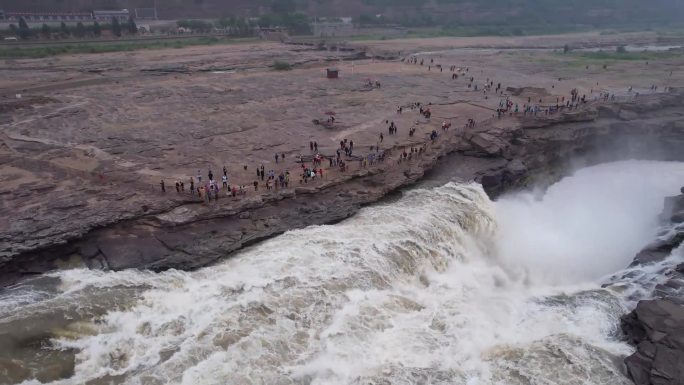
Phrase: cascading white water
[439,287]
[589,225]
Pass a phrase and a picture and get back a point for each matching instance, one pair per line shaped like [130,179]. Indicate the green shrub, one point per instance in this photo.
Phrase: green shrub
[282,65]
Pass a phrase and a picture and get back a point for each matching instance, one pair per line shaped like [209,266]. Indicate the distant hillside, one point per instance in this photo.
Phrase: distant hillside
[407,12]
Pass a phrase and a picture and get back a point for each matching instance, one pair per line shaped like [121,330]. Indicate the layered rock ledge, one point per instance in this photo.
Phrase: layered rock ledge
[501,154]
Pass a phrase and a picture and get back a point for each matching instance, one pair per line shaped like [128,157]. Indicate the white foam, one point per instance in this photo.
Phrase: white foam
[588,225]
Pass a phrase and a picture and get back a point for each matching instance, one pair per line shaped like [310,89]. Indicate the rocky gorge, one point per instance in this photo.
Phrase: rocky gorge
[500,154]
[503,155]
[656,326]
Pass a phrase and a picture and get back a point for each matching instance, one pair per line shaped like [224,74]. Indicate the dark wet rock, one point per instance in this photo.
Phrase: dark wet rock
[657,328]
[672,213]
[126,252]
[516,167]
[492,181]
[680,268]
[657,251]
[674,208]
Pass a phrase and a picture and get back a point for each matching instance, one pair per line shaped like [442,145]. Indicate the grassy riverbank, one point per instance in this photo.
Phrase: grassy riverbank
[40,51]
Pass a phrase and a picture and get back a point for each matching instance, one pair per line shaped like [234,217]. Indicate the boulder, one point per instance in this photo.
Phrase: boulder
[657,328]
[492,182]
[488,144]
[516,167]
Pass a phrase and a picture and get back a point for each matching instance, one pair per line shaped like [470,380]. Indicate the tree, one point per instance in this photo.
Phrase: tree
[80,30]
[116,27]
[268,21]
[24,30]
[223,23]
[97,30]
[45,31]
[298,24]
[132,28]
[242,27]
[64,30]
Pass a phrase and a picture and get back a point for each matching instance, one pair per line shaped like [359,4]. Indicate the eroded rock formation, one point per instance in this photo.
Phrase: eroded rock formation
[656,326]
[502,155]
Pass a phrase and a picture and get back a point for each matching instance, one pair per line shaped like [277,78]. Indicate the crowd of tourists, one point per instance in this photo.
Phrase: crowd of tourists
[311,165]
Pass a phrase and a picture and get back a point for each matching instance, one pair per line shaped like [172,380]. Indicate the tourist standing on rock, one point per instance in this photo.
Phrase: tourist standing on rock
[256,185]
[192,186]
[276,158]
[262,172]
[225,181]
[381,137]
[199,176]
[163,188]
[210,175]
[177,187]
[225,171]
[311,145]
[315,146]
[182,186]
